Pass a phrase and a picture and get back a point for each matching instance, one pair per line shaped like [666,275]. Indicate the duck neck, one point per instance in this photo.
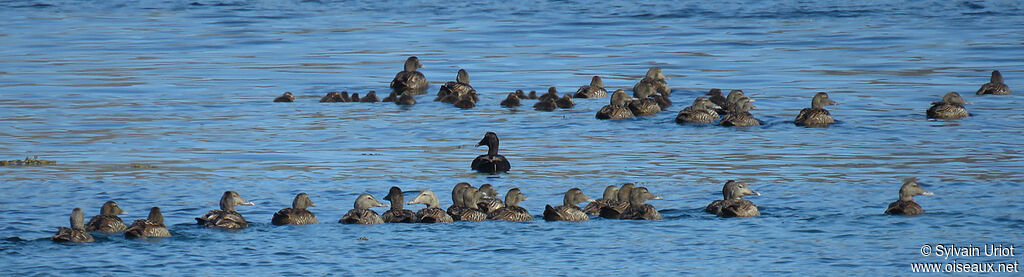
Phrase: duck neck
[155,216]
[397,201]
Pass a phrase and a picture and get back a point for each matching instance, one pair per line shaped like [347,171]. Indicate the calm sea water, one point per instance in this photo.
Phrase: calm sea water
[166,103]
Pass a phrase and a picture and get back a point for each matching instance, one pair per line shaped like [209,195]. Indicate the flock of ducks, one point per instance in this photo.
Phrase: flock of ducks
[650,97]
[478,204]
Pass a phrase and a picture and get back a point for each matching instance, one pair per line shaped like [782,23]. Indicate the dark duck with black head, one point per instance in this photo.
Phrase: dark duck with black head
[458,208]
[703,111]
[471,196]
[361,213]
[409,80]
[652,83]
[511,101]
[490,201]
[816,115]
[733,204]
[433,212]
[616,109]
[286,97]
[594,90]
[77,231]
[610,197]
[615,209]
[298,214]
[568,211]
[512,211]
[951,107]
[397,213]
[107,221]
[491,162]
[740,115]
[227,217]
[151,227]
[637,209]
[995,85]
[906,204]
[458,87]
[354,98]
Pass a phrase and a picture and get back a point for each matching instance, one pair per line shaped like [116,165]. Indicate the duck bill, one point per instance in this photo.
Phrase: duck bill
[657,197]
[927,193]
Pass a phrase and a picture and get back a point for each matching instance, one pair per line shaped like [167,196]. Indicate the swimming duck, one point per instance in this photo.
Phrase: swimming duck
[107,221]
[397,213]
[332,97]
[906,205]
[594,90]
[568,211]
[652,83]
[490,201]
[458,208]
[151,227]
[701,112]
[354,98]
[733,204]
[466,100]
[392,97]
[551,94]
[511,101]
[345,97]
[730,101]
[565,102]
[951,107]
[740,115]
[226,217]
[362,214]
[594,208]
[512,211]
[662,100]
[545,105]
[458,87]
[492,162]
[406,99]
[410,80]
[370,97]
[715,95]
[615,209]
[995,85]
[298,214]
[637,209]
[432,213]
[644,105]
[532,95]
[470,196]
[286,97]
[616,109]
[816,115]
[77,231]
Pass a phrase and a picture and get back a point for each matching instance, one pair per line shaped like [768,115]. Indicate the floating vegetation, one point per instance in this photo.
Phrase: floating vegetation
[27,161]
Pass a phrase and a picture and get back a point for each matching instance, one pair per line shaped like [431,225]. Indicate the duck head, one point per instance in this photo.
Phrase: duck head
[155,216]
[638,196]
[574,197]
[596,82]
[488,190]
[462,76]
[821,100]
[911,188]
[513,197]
[736,190]
[77,219]
[997,78]
[302,202]
[619,98]
[396,197]
[111,208]
[655,73]
[366,201]
[230,199]
[714,92]
[491,140]
[744,105]
[625,191]
[611,193]
[470,197]
[735,95]
[412,64]
[954,98]
[426,197]
[457,194]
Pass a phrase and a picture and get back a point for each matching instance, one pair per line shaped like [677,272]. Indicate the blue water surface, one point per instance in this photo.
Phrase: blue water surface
[168,103]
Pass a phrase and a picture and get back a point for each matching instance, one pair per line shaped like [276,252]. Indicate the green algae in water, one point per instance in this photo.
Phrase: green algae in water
[34,161]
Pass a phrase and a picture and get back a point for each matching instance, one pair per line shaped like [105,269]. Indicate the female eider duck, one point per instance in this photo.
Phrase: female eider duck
[644,105]
[733,204]
[457,208]
[410,80]
[332,97]
[740,115]
[511,101]
[107,221]
[546,105]
[552,94]
[701,112]
[467,100]
[392,97]
[715,95]
[491,162]
[77,231]
[432,213]
[370,97]
[615,209]
[472,212]
[490,202]
[594,208]
[286,97]
[951,107]
[568,211]
[512,211]
[637,209]
[652,83]
[730,101]
[298,214]
[616,109]
[565,102]
[405,99]
[361,213]
[594,90]
[397,213]
[906,204]
[151,227]
[995,85]
[226,217]
[816,115]
[458,87]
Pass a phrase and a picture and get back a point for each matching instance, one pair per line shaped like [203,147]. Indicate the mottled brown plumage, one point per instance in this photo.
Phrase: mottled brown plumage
[906,204]
[397,213]
[568,211]
[432,213]
[409,80]
[594,208]
[151,227]
[298,214]
[594,90]
[361,212]
[816,115]
[995,85]
[616,108]
[615,209]
[107,221]
[77,231]
[740,115]
[227,217]
[951,107]
[512,211]
[286,97]
[701,112]
[511,101]
[637,209]
[733,204]
[652,83]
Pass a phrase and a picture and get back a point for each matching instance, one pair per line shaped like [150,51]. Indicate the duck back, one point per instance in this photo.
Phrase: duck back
[433,215]
[398,216]
[294,217]
[142,228]
[901,207]
[510,213]
[106,224]
[812,117]
[65,234]
[943,110]
[564,213]
[222,219]
[642,212]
